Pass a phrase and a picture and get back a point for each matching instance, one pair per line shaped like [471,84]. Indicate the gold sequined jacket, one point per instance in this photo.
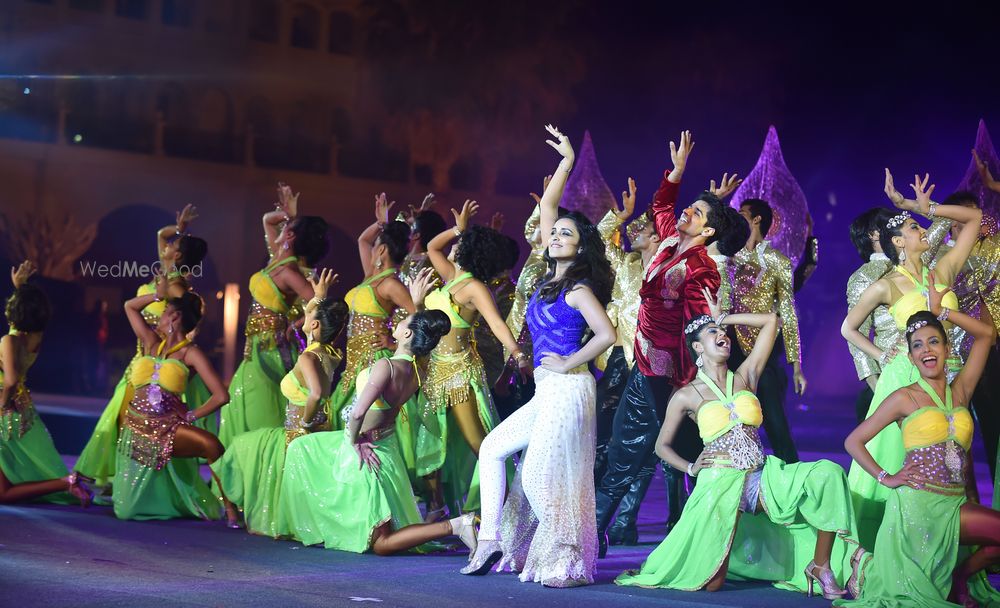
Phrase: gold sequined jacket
[532,272]
[886,332]
[624,307]
[761,282]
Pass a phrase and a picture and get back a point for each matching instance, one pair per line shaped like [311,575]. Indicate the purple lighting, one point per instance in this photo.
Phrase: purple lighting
[770,180]
[586,191]
[973,183]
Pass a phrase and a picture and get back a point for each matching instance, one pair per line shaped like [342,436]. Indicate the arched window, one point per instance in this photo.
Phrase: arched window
[305,27]
[132,9]
[264,20]
[177,12]
[341,33]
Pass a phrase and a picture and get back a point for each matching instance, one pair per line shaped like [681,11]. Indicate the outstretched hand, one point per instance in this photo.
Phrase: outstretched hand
[469,209]
[421,286]
[985,174]
[382,208]
[895,197]
[628,202]
[185,216]
[679,154]
[545,184]
[727,185]
[563,147]
[714,309]
[20,275]
[321,283]
[287,201]
[922,192]
[935,297]
[496,222]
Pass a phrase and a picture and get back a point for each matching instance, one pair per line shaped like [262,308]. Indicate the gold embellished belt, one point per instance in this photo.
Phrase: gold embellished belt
[940,468]
[19,416]
[742,444]
[151,423]
[295,428]
[270,326]
[362,330]
[450,378]
[376,435]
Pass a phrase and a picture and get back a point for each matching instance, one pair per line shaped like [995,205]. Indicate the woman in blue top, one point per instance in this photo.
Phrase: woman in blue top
[549,533]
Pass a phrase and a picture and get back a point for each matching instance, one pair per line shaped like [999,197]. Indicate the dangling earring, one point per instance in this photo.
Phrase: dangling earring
[378,264]
[580,250]
[170,329]
[285,246]
[902,255]
[699,362]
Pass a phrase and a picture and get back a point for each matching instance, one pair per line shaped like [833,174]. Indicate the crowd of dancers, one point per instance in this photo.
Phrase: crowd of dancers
[684,325]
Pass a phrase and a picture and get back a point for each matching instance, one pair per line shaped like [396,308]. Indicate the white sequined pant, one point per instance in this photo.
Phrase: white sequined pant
[547,527]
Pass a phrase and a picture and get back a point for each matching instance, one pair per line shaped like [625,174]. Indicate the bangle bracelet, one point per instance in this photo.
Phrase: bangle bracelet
[457,231]
[944,314]
[691,470]
[882,475]
[932,209]
[718,320]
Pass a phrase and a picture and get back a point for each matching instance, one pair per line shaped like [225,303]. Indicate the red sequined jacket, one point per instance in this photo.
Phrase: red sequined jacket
[671,295]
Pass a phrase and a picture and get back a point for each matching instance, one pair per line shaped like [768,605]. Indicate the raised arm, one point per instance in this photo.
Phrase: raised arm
[984,337]
[195,358]
[985,174]
[548,206]
[133,312]
[482,299]
[366,242]
[531,224]
[950,263]
[753,365]
[665,198]
[610,226]
[168,233]
[436,248]
[876,294]
[287,208]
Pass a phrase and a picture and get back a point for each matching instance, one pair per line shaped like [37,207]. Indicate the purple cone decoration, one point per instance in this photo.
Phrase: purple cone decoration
[586,191]
[973,183]
[771,181]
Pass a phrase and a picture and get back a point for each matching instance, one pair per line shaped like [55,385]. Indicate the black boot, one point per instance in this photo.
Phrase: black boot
[605,510]
[676,494]
[624,530]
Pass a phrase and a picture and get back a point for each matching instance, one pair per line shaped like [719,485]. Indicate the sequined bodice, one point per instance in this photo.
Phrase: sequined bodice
[170,374]
[264,290]
[729,423]
[441,299]
[915,300]
[556,327]
[937,440]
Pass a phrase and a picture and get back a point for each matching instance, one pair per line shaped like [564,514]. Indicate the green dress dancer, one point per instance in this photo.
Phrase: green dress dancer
[148,483]
[97,460]
[917,548]
[328,499]
[255,399]
[721,515]
[251,469]
[868,495]
[26,450]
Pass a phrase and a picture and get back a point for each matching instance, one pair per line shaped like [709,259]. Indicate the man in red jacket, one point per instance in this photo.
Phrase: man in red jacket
[672,294]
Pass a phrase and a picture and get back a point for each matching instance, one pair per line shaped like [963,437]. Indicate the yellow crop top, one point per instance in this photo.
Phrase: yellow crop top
[264,291]
[150,369]
[155,309]
[932,425]
[361,300]
[916,300]
[440,299]
[717,417]
[295,391]
[28,363]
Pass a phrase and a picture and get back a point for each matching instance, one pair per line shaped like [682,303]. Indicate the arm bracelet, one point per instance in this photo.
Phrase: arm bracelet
[881,475]
[944,314]
[691,470]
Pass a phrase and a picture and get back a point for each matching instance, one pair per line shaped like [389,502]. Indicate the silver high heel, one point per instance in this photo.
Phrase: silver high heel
[488,553]
[857,572]
[827,583]
[466,532]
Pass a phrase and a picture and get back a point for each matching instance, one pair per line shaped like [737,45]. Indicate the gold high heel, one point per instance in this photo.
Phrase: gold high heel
[466,532]
[857,573]
[827,583]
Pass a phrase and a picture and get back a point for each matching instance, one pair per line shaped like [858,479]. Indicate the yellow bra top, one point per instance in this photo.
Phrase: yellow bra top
[150,369]
[440,299]
[932,425]
[264,291]
[361,300]
[295,391]
[916,300]
[30,361]
[362,380]
[156,308]
[717,417]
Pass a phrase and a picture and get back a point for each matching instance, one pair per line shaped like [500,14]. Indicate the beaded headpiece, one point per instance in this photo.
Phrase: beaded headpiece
[697,323]
[636,226]
[915,326]
[897,220]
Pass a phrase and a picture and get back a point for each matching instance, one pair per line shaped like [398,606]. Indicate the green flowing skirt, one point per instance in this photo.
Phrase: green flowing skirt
[31,457]
[97,460]
[176,490]
[250,472]
[329,498]
[255,399]
[915,555]
[886,448]
[775,545]
[440,446]
[407,422]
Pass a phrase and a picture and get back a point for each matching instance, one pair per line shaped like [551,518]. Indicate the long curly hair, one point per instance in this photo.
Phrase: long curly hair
[590,267]
[395,235]
[28,309]
[312,238]
[482,251]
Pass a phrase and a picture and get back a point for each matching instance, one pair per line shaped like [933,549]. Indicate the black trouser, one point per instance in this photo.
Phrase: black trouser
[609,394]
[863,402]
[986,406]
[771,389]
[634,430]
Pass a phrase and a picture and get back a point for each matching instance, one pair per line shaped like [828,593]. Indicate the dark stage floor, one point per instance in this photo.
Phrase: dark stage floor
[62,556]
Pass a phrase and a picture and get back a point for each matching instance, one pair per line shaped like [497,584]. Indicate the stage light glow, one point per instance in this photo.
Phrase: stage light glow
[230,317]
[27,90]
[77,138]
